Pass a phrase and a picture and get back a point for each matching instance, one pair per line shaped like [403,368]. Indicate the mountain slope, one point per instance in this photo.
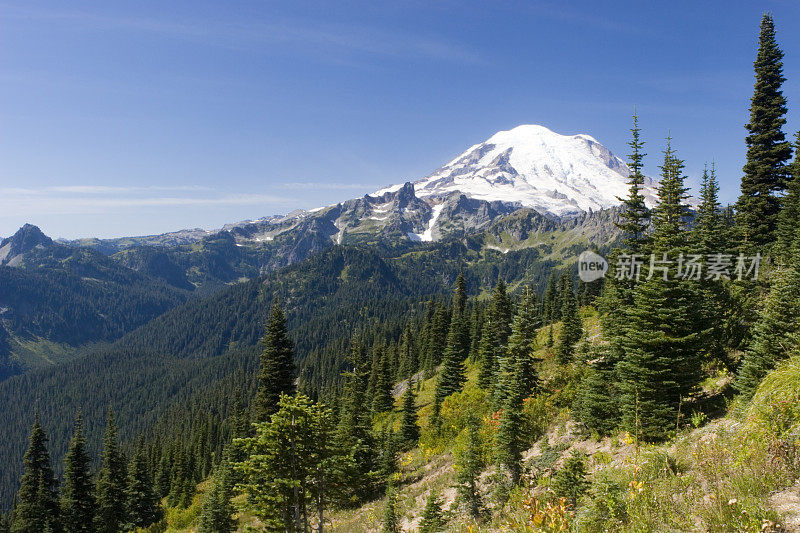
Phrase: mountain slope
[55,298]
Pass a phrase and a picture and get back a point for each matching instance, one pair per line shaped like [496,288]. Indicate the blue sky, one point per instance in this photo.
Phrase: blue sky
[145,117]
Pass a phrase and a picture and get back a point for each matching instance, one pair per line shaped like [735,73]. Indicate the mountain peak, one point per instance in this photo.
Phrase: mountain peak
[536,167]
[27,238]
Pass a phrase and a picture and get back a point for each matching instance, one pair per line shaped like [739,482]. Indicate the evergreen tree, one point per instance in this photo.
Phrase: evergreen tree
[391,522]
[276,376]
[571,325]
[501,312]
[451,377]
[216,515]
[552,303]
[389,454]
[143,507]
[290,463]
[788,237]
[596,402]
[709,238]
[518,364]
[78,506]
[460,295]
[476,327]
[432,517]
[469,464]
[181,484]
[437,339]
[409,427]
[37,508]
[510,440]
[382,400]
[774,334]
[570,481]
[635,216]
[671,213]
[163,478]
[111,482]
[409,353]
[488,357]
[767,149]
[708,221]
[354,431]
[664,333]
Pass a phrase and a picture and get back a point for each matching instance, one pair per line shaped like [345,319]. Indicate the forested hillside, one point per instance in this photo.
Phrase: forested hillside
[328,298]
[56,298]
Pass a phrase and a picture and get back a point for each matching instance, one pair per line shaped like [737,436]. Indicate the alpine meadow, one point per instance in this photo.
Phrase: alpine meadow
[537,336]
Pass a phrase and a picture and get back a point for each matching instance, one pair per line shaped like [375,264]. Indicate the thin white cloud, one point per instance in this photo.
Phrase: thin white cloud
[341,38]
[80,200]
[98,189]
[326,186]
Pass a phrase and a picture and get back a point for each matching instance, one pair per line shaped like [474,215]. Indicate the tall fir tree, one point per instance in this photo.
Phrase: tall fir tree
[111,482]
[37,508]
[671,213]
[276,375]
[775,333]
[143,507]
[409,350]
[469,465]
[354,431]
[635,216]
[391,520]
[489,355]
[452,375]
[708,230]
[552,303]
[788,235]
[216,515]
[382,400]
[510,439]
[409,425]
[767,149]
[709,237]
[78,505]
[437,336]
[501,312]
[571,324]
[460,294]
[664,334]
[519,355]
[596,402]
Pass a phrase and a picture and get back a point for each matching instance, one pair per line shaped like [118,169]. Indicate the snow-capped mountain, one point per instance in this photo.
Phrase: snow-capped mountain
[529,166]
[537,168]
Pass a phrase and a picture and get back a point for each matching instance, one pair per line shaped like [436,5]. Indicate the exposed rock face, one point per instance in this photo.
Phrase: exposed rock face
[27,238]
